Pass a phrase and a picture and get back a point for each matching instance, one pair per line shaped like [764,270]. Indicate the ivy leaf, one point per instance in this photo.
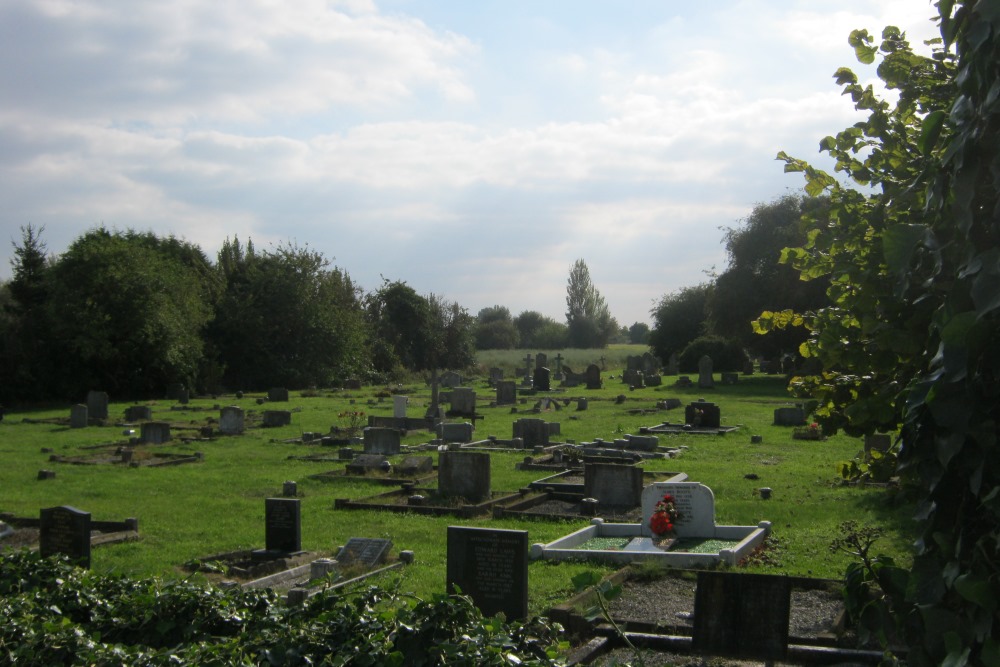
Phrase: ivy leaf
[898,245]
[930,131]
[977,590]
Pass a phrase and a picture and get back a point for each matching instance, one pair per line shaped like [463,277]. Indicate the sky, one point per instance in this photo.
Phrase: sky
[472,149]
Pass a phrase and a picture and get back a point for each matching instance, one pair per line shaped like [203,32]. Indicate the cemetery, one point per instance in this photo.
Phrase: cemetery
[517,483]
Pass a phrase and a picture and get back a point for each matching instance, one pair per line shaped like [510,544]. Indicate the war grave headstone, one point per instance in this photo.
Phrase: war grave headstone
[378,440]
[491,567]
[593,377]
[97,404]
[464,475]
[65,530]
[78,416]
[463,402]
[542,379]
[613,485]
[155,433]
[136,413]
[276,418]
[282,528]
[705,380]
[506,392]
[231,420]
[277,395]
[367,551]
[742,615]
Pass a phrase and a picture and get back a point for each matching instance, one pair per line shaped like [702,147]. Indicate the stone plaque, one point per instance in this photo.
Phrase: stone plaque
[742,615]
[695,505]
[491,567]
[65,530]
[367,551]
[282,525]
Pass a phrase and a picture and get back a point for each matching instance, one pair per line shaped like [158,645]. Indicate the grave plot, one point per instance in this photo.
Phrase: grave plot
[735,615]
[64,530]
[410,470]
[700,417]
[695,541]
[611,491]
[132,457]
[463,490]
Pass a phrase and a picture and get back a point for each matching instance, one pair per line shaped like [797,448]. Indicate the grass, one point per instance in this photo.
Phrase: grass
[195,510]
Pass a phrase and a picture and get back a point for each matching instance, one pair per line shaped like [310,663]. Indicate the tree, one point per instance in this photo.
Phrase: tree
[457,334]
[495,329]
[127,310]
[912,332]
[587,315]
[27,285]
[756,280]
[678,319]
[638,333]
[286,318]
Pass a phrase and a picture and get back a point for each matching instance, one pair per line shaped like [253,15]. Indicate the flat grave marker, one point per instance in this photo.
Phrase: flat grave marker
[367,551]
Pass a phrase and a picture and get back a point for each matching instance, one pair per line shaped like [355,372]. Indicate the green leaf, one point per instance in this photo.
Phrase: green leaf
[930,131]
[898,244]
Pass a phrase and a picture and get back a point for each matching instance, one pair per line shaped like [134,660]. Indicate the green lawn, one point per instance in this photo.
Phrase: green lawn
[217,505]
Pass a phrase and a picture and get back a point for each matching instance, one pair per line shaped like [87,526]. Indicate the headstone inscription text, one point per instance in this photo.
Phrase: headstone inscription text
[491,567]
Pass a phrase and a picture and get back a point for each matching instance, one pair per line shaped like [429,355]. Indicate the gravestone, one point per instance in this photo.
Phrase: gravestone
[174,391]
[184,397]
[460,432]
[277,395]
[491,567]
[581,404]
[380,440]
[528,366]
[633,362]
[155,433]
[653,380]
[705,380]
[506,392]
[542,379]
[541,359]
[558,375]
[650,364]
[412,466]
[703,414]
[78,416]
[730,378]
[97,404]
[612,484]
[231,420]
[742,615]
[65,530]
[367,551]
[533,432]
[790,416]
[276,418]
[496,375]
[367,463]
[695,505]
[463,402]
[640,443]
[673,365]
[352,383]
[683,381]
[282,525]
[634,377]
[450,379]
[399,406]
[593,376]
[138,413]
[464,475]
[748,368]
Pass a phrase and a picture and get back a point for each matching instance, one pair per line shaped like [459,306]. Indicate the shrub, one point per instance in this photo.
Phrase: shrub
[726,353]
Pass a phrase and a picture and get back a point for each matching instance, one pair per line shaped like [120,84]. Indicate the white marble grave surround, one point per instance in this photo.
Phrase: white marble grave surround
[695,502]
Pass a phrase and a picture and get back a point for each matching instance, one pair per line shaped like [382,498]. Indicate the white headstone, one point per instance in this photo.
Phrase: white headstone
[695,505]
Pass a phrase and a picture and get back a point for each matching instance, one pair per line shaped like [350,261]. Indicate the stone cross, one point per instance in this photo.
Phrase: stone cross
[528,367]
[559,360]
[603,367]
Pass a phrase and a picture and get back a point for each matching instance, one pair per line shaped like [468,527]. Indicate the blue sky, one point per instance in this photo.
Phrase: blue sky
[474,149]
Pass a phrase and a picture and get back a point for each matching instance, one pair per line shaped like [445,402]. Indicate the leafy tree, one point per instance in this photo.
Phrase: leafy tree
[456,333]
[27,285]
[756,280]
[286,318]
[913,329]
[678,319]
[127,312]
[726,353]
[587,315]
[495,329]
[638,333]
[536,331]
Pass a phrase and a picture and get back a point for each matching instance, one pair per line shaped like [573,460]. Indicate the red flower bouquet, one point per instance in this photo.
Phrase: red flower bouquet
[665,515]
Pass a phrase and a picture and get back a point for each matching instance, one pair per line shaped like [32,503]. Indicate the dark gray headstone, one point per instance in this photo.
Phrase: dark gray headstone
[137,413]
[455,432]
[612,484]
[506,392]
[593,376]
[793,416]
[282,525]
[78,416]
[155,433]
[97,404]
[366,551]
[491,567]
[742,615]
[703,414]
[464,475]
[381,440]
[450,379]
[542,379]
[705,380]
[275,418]
[277,395]
[534,432]
[541,359]
[65,530]
[463,401]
